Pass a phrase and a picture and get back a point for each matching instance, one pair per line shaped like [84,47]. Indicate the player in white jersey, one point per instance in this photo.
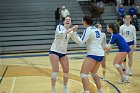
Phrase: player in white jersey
[58,52]
[103,37]
[95,54]
[128,32]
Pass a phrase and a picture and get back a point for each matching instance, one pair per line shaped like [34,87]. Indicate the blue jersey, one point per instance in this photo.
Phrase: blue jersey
[120,42]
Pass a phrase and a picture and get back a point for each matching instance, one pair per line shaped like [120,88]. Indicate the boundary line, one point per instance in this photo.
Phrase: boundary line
[3,74]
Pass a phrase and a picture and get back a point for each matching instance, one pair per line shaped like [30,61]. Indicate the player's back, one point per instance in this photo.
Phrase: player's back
[94,42]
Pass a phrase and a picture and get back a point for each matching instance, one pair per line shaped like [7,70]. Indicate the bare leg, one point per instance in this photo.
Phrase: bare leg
[95,76]
[130,61]
[87,66]
[118,60]
[103,63]
[65,66]
[54,59]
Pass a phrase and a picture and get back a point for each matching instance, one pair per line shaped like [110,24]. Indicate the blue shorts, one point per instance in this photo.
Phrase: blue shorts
[96,58]
[126,50]
[58,54]
[130,43]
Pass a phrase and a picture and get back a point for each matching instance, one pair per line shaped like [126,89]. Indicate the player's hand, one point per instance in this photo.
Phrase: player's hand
[75,28]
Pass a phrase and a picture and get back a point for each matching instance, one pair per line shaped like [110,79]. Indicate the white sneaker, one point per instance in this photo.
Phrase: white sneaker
[124,79]
[100,91]
[104,78]
[86,92]
[66,90]
[53,90]
[129,72]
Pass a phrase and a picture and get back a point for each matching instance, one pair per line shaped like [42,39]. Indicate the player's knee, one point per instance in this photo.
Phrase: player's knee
[83,75]
[116,65]
[54,75]
[66,74]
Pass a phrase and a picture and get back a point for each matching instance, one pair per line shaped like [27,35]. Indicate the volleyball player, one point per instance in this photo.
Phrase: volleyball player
[103,37]
[58,52]
[95,53]
[122,53]
[128,32]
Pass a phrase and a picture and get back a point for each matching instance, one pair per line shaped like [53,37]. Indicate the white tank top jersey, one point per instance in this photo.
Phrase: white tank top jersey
[128,33]
[92,37]
[60,42]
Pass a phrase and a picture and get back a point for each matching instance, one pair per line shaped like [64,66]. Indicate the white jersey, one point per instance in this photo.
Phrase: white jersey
[128,33]
[103,39]
[60,42]
[92,37]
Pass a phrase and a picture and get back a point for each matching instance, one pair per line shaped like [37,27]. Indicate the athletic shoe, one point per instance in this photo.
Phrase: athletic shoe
[100,91]
[104,78]
[129,72]
[86,92]
[53,90]
[65,89]
[124,79]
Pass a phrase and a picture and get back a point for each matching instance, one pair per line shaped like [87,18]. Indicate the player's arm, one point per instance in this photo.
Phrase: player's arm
[109,45]
[61,31]
[120,30]
[104,41]
[83,39]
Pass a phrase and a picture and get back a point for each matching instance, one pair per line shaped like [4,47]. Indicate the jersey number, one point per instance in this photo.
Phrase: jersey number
[127,32]
[97,34]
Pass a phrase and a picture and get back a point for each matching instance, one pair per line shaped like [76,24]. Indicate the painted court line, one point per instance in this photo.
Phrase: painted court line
[13,84]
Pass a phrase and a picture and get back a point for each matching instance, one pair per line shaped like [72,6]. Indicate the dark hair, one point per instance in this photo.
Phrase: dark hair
[112,26]
[88,20]
[97,25]
[68,16]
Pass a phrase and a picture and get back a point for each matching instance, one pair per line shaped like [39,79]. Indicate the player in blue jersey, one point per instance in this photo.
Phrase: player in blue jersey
[122,53]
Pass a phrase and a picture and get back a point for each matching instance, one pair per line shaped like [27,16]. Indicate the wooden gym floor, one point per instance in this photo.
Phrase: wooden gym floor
[30,73]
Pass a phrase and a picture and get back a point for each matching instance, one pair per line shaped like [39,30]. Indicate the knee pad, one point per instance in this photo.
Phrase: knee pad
[83,75]
[94,75]
[54,75]
[66,74]
[116,65]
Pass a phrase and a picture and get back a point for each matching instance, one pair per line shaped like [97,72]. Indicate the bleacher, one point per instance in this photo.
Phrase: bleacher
[109,15]
[29,25]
